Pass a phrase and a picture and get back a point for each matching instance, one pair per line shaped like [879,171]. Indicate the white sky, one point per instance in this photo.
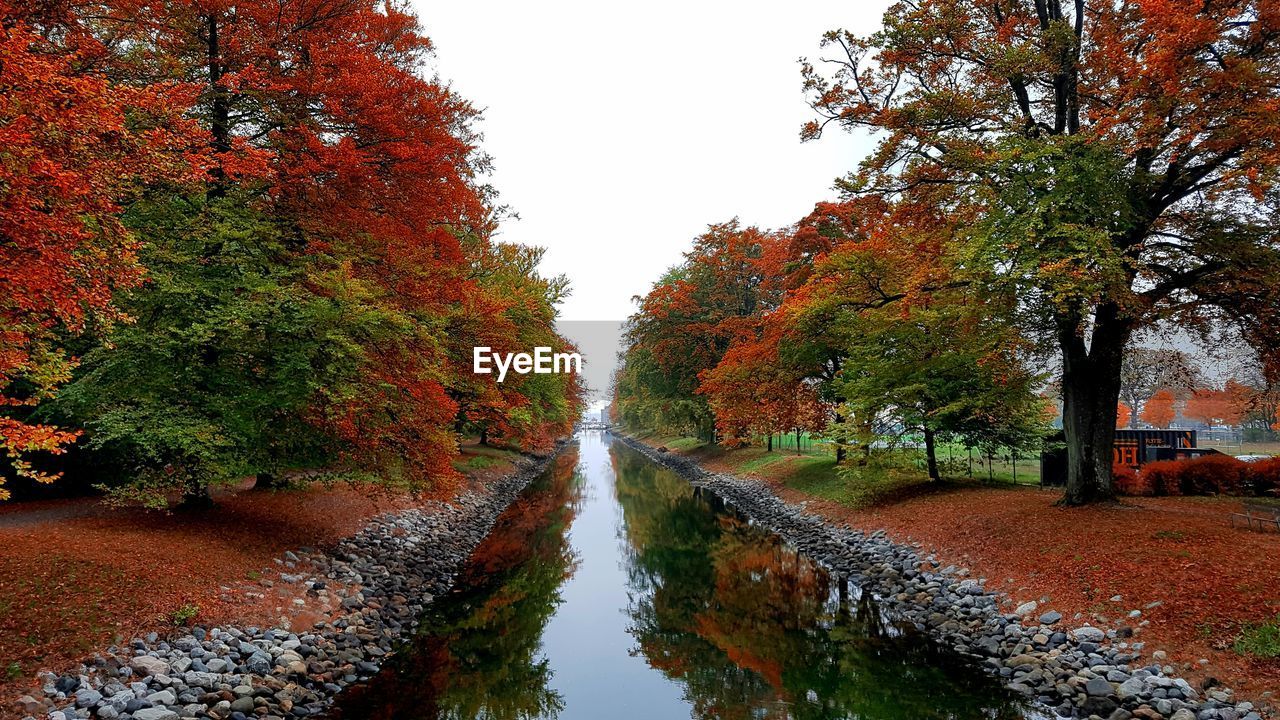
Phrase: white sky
[620,131]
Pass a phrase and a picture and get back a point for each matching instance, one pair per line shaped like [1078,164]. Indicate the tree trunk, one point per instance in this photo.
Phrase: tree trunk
[1090,393]
[840,449]
[797,442]
[484,435]
[219,111]
[195,494]
[769,443]
[931,453]
[269,481]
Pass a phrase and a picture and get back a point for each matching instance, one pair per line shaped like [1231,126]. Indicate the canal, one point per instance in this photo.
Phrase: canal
[613,589]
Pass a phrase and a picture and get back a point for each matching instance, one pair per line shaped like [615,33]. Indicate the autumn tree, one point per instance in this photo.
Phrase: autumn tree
[1213,406]
[1262,413]
[1158,410]
[1121,156]
[1146,371]
[687,322]
[752,392]
[1123,415]
[317,232]
[228,355]
[72,148]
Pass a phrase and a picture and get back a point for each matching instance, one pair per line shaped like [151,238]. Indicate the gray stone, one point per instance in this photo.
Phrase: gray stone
[1097,687]
[242,704]
[148,665]
[1129,688]
[88,698]
[164,697]
[1090,634]
[155,714]
[1050,618]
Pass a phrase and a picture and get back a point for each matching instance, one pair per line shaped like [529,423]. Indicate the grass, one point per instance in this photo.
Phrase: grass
[474,456]
[184,615]
[477,462]
[1260,640]
[858,487]
[812,471]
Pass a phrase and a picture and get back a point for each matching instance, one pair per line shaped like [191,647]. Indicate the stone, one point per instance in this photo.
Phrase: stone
[1097,687]
[1183,714]
[259,663]
[1050,618]
[1129,688]
[1089,633]
[147,665]
[164,697]
[87,698]
[155,714]
[242,705]
[1025,608]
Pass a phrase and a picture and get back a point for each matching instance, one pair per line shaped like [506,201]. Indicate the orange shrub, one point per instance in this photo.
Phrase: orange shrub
[1266,476]
[1127,481]
[1164,476]
[1215,475]
[1207,475]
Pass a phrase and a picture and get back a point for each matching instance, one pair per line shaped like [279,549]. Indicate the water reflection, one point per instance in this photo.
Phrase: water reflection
[477,653]
[753,629]
[615,590]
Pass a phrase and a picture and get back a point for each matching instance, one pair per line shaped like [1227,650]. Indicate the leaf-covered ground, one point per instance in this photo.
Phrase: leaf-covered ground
[1196,580]
[76,574]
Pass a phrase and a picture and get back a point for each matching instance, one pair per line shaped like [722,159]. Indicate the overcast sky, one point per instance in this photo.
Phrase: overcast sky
[620,130]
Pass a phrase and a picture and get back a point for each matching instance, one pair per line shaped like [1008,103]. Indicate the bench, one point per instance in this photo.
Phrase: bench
[1260,513]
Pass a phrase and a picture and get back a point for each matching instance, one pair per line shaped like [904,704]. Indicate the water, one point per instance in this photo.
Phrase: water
[613,590]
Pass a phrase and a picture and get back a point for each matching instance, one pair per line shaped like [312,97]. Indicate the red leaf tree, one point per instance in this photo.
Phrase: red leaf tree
[72,147]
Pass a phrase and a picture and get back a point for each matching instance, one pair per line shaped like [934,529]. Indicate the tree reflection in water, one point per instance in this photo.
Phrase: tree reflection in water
[477,652]
[716,610]
[752,629]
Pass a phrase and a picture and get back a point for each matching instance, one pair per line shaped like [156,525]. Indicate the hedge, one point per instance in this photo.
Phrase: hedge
[1205,475]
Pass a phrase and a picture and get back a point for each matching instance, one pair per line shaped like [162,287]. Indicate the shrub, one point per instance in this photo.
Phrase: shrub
[1215,474]
[1207,475]
[1266,476]
[1164,476]
[1129,482]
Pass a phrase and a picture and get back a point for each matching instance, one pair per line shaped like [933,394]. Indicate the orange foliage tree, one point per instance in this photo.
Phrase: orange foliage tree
[1123,413]
[1225,406]
[1159,410]
[690,318]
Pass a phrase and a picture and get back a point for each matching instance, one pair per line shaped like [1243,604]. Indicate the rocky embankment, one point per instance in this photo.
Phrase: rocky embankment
[381,578]
[1075,670]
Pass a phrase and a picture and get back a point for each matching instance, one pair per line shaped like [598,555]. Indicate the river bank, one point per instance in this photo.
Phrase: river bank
[363,593]
[1071,666]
